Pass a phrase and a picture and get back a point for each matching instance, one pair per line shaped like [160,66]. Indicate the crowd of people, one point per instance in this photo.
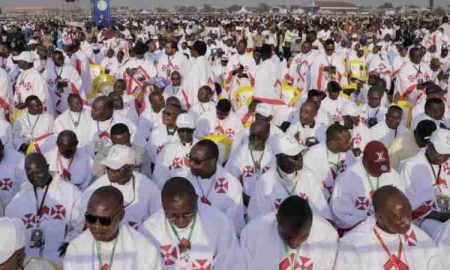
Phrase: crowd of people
[227,142]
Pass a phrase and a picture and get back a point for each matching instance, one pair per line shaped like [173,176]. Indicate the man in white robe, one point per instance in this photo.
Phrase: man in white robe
[434,110]
[71,163]
[190,235]
[76,118]
[78,59]
[205,102]
[288,178]
[6,93]
[379,65]
[360,132]
[12,246]
[6,132]
[334,103]
[426,176]
[108,243]
[33,125]
[174,156]
[388,240]
[300,66]
[239,64]
[293,238]
[45,205]
[150,118]
[172,60]
[329,159]
[391,128]
[351,201]
[141,195]
[373,112]
[213,184]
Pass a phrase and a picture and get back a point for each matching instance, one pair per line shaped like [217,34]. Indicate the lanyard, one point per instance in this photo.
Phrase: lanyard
[284,187]
[201,189]
[184,246]
[76,123]
[372,188]
[34,124]
[60,165]
[436,177]
[99,254]
[256,164]
[58,76]
[336,165]
[41,205]
[292,261]
[395,260]
[134,193]
[106,130]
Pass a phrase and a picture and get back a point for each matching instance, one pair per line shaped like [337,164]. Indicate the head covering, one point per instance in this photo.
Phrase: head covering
[185,120]
[32,42]
[288,146]
[119,156]
[24,56]
[264,109]
[434,89]
[441,141]
[376,157]
[351,109]
[13,237]
[424,130]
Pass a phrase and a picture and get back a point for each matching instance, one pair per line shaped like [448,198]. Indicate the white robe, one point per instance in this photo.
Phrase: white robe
[80,61]
[334,107]
[361,250]
[379,64]
[148,120]
[270,192]
[142,199]
[133,251]
[408,78]
[443,242]
[31,127]
[223,191]
[6,93]
[6,132]
[168,64]
[268,83]
[234,62]
[248,169]
[264,250]
[58,215]
[301,133]
[200,109]
[213,243]
[382,133]
[298,70]
[361,136]
[351,201]
[209,124]
[80,123]
[367,112]
[318,78]
[30,82]
[159,137]
[11,178]
[200,74]
[144,71]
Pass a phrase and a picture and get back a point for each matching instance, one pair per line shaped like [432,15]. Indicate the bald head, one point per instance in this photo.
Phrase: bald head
[387,195]
[260,127]
[178,189]
[35,158]
[107,197]
[37,170]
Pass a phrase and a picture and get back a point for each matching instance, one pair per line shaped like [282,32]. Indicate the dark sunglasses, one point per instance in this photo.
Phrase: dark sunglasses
[104,221]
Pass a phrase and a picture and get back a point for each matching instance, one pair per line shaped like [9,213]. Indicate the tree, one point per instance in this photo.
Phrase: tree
[161,10]
[207,8]
[440,11]
[263,7]
[386,5]
[234,8]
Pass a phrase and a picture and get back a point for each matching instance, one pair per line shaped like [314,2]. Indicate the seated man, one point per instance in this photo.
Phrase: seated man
[12,249]
[351,201]
[286,179]
[434,111]
[205,104]
[107,242]
[334,102]
[391,128]
[426,176]
[150,118]
[388,240]
[360,132]
[191,235]
[290,239]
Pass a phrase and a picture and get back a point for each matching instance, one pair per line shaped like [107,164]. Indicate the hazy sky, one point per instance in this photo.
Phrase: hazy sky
[171,3]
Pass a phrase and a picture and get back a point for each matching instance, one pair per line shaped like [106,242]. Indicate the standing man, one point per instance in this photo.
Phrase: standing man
[171,61]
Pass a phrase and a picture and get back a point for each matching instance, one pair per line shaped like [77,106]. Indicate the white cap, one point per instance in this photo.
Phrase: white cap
[185,120]
[351,109]
[24,56]
[32,42]
[355,35]
[119,156]
[289,146]
[264,109]
[13,237]
[441,141]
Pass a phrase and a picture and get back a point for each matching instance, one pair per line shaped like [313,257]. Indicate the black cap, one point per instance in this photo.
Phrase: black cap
[434,89]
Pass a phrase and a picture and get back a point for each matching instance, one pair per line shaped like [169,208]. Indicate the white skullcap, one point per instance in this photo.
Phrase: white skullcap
[13,237]
[185,120]
[289,146]
[264,109]
[119,156]
[351,109]
[441,141]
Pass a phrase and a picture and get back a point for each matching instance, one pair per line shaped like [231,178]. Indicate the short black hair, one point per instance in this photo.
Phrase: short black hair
[31,98]
[68,133]
[73,96]
[295,212]
[334,131]
[266,51]
[395,108]
[212,147]
[119,129]
[334,87]
[200,47]
[178,188]
[224,105]
[433,103]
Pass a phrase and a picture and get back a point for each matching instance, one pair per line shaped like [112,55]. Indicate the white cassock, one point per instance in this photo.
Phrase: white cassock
[148,120]
[39,264]
[129,114]
[173,157]
[200,109]
[68,74]
[249,165]
[6,132]
[327,165]
[223,191]
[334,107]
[200,74]
[318,78]
[381,132]
[302,134]
[379,64]
[236,60]
[6,93]
[31,127]
[112,64]
[298,70]
[367,113]
[397,64]
[408,78]
[272,190]
[442,240]
[426,188]
[143,72]
[424,116]
[209,124]
[57,220]
[351,201]
[158,138]
[264,250]
[80,61]
[77,170]
[132,251]
[141,198]
[79,123]
[31,83]
[361,136]
[11,178]
[213,241]
[168,64]
[268,84]
[129,105]
[362,250]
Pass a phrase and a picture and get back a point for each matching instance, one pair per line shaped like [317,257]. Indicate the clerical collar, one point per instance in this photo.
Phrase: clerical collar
[385,235]
[308,126]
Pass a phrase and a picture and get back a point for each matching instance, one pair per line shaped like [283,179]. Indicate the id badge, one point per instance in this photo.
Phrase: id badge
[442,203]
[37,238]
[168,72]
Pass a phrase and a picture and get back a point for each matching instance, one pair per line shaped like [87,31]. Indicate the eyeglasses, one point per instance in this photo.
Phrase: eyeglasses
[104,221]
[174,217]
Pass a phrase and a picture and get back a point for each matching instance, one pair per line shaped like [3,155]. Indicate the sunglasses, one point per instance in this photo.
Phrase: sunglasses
[104,221]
